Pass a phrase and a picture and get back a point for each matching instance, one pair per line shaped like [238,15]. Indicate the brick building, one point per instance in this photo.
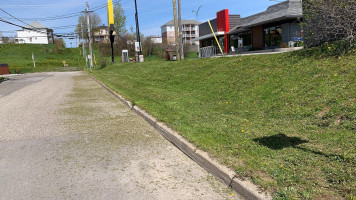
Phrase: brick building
[190,29]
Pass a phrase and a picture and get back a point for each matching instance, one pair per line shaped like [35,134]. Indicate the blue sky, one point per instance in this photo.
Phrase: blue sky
[152,13]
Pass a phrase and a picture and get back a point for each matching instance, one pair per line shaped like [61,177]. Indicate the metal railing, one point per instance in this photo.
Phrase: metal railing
[210,51]
[188,35]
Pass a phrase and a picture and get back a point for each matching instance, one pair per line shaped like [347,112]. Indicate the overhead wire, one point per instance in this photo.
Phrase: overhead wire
[65,16]
[22,20]
[19,20]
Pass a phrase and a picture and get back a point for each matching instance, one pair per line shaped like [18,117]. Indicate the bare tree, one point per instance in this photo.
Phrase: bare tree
[95,21]
[119,20]
[5,39]
[329,20]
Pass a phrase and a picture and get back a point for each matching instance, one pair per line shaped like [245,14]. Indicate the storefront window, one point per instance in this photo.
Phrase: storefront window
[241,40]
[272,36]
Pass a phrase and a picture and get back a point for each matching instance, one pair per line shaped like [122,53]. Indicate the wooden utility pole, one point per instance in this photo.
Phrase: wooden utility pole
[181,47]
[176,28]
[89,35]
[83,45]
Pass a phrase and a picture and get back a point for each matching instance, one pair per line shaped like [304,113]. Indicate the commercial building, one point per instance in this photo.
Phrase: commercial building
[190,30]
[269,29]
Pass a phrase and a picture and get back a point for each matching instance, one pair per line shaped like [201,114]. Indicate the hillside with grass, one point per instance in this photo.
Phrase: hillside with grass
[285,121]
[47,58]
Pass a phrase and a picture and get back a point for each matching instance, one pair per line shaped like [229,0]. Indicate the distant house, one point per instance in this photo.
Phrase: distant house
[190,30]
[156,39]
[34,33]
[102,34]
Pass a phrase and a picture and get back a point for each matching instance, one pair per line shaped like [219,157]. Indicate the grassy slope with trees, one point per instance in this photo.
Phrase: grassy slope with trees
[286,121]
[47,57]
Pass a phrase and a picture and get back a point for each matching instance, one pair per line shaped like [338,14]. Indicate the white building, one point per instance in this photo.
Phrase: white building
[34,33]
[155,39]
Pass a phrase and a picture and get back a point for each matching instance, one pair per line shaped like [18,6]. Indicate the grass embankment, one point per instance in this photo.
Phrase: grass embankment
[286,121]
[47,58]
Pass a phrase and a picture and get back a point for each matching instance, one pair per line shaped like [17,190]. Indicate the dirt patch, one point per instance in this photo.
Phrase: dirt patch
[323,112]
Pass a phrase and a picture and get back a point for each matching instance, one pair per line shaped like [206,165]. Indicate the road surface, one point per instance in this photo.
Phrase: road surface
[64,137]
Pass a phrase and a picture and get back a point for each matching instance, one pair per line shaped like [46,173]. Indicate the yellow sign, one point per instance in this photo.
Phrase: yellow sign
[110,15]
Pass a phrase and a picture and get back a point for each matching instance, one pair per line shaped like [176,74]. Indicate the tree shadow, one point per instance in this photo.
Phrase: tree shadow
[281,141]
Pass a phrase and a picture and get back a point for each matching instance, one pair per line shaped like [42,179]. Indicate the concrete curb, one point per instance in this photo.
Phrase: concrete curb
[243,187]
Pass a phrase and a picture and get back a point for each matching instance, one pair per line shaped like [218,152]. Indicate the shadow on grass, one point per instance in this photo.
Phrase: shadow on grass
[281,141]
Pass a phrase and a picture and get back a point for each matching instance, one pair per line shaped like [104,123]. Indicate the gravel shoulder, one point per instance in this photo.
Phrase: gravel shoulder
[68,138]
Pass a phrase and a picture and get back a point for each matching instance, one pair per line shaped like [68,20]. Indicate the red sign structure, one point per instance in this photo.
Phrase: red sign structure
[223,24]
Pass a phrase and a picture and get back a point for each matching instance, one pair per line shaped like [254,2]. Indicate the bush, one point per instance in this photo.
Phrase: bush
[328,20]
[59,45]
[18,71]
[124,42]
[103,63]
[330,49]
[284,45]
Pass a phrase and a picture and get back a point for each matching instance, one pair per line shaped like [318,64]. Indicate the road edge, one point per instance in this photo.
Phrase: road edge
[245,188]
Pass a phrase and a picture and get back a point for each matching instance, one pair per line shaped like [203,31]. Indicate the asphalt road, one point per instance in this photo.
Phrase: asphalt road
[64,137]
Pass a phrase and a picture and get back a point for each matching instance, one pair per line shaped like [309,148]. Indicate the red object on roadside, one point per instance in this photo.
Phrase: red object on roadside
[167,58]
[4,69]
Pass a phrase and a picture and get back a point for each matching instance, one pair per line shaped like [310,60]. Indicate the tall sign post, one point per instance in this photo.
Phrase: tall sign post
[111,27]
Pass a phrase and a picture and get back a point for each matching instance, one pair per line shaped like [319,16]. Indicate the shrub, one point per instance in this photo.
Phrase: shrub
[328,20]
[284,45]
[18,71]
[330,49]
[103,63]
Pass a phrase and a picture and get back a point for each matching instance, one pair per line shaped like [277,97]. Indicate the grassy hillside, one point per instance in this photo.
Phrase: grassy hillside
[286,121]
[47,57]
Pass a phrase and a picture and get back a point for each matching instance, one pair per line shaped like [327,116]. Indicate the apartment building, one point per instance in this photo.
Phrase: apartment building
[190,30]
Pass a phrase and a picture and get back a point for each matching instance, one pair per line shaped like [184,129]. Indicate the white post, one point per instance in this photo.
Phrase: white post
[33,58]
[83,45]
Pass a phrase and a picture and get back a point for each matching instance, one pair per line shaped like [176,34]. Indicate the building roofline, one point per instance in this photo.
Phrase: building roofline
[219,33]
[171,22]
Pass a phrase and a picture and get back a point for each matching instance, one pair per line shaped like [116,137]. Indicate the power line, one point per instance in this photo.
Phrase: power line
[65,16]
[18,19]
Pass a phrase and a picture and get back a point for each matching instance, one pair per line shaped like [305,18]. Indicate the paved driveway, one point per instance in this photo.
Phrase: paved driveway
[64,137]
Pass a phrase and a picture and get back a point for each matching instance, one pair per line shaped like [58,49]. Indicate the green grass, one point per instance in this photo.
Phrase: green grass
[19,58]
[285,121]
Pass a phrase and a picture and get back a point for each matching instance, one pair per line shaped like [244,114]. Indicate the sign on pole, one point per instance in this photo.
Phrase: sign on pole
[137,46]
